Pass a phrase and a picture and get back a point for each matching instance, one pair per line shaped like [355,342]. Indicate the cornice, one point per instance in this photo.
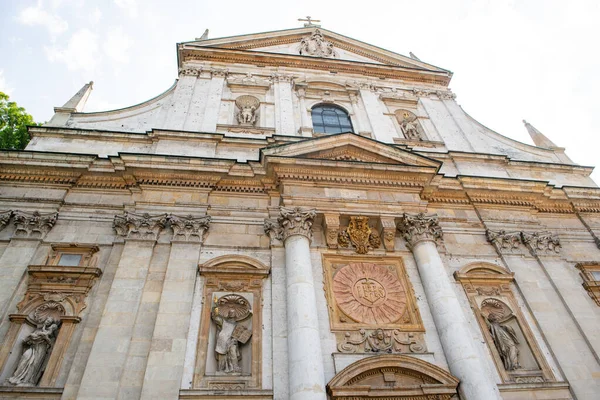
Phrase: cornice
[229,56]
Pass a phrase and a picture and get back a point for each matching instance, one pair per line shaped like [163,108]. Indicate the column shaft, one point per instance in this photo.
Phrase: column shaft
[452,326]
[306,377]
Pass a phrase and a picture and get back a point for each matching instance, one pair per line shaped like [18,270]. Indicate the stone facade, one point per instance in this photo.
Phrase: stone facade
[211,243]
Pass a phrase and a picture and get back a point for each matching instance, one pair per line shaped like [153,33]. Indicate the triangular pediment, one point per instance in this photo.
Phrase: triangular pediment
[334,46]
[351,148]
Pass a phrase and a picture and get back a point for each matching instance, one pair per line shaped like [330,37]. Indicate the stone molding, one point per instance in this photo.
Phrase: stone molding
[33,225]
[420,227]
[139,226]
[296,221]
[189,228]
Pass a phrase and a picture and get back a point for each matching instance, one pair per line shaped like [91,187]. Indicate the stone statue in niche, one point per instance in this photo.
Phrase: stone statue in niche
[316,45]
[504,336]
[37,347]
[228,313]
[248,110]
[410,127]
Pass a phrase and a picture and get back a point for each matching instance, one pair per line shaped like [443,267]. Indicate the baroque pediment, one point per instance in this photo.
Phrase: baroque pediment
[349,147]
[312,44]
[392,377]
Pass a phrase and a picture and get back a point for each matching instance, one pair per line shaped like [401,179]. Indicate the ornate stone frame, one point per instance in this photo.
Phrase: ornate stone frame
[62,287]
[489,280]
[232,273]
[394,264]
[395,377]
[590,284]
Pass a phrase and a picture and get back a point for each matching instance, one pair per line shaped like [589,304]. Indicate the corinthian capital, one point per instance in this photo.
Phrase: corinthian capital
[139,226]
[4,218]
[189,228]
[542,242]
[296,221]
[420,227]
[33,224]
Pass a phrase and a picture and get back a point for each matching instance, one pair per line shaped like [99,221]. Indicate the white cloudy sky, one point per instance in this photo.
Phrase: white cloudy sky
[532,59]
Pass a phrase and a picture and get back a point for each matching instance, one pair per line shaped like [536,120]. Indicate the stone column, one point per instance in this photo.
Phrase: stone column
[213,101]
[162,378]
[305,362]
[361,122]
[421,233]
[383,130]
[284,107]
[305,123]
[117,360]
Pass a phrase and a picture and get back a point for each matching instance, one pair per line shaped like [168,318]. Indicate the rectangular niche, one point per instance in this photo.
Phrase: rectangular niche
[516,354]
[229,351]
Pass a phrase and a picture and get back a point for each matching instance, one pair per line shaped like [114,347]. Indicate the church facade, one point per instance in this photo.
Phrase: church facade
[300,216]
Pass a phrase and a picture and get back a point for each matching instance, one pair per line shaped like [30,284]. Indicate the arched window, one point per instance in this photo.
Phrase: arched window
[330,119]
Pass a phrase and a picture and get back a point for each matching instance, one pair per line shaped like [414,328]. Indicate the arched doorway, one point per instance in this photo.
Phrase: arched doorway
[392,377]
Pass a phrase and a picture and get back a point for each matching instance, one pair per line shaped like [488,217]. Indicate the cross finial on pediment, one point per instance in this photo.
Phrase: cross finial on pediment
[310,22]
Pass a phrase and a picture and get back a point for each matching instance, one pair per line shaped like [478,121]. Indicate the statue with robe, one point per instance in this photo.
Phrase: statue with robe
[410,128]
[227,313]
[505,340]
[37,347]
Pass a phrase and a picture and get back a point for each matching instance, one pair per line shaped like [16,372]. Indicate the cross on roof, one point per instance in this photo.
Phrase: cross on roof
[310,21]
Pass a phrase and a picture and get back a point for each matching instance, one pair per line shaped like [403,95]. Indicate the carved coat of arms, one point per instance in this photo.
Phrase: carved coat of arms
[360,235]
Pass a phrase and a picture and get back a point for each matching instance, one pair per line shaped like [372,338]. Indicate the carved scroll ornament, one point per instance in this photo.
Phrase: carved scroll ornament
[296,221]
[420,227]
[380,341]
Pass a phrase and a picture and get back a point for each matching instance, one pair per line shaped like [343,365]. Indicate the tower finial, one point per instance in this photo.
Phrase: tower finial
[77,102]
[204,35]
[538,137]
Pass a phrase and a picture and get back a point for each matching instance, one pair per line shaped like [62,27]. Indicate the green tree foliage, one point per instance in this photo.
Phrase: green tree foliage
[13,124]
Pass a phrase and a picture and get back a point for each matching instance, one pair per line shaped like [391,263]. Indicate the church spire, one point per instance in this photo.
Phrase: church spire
[77,102]
[538,137]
